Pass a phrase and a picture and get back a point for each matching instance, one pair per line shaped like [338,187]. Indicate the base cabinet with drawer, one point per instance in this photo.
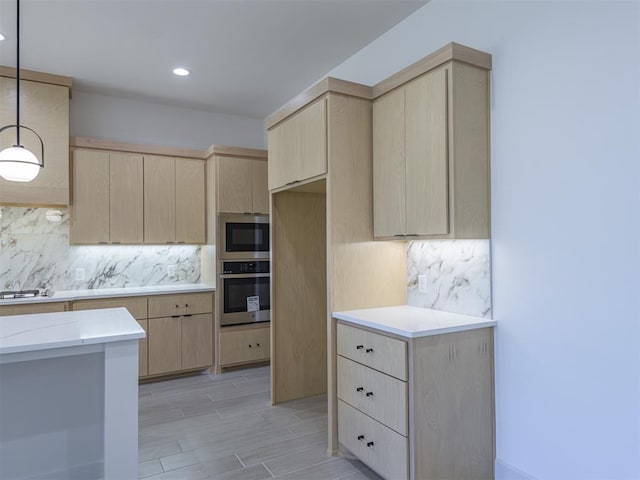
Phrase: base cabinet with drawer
[137,307]
[180,332]
[241,345]
[417,408]
[178,327]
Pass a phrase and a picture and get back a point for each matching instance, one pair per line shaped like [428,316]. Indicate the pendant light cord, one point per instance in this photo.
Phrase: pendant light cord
[18,72]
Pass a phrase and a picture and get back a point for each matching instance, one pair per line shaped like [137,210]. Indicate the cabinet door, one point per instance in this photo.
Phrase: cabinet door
[189,201]
[126,212]
[234,185]
[298,146]
[90,203]
[426,155]
[45,108]
[389,195]
[242,346]
[165,345]
[197,345]
[160,200]
[260,186]
[143,353]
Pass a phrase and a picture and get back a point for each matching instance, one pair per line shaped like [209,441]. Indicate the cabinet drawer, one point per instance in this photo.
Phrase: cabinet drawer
[32,308]
[379,447]
[241,346]
[389,355]
[137,306]
[376,394]
[180,304]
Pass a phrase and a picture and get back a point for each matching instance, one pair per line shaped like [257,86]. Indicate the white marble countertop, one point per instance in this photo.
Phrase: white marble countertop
[42,331]
[413,322]
[71,295]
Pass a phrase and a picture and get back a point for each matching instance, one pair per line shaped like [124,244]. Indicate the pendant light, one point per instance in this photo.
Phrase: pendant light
[17,163]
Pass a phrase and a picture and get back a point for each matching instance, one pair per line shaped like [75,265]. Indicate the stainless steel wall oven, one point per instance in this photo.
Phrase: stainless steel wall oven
[245,288]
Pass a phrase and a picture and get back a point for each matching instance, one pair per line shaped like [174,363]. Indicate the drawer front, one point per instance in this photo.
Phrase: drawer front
[180,304]
[29,308]
[137,306]
[386,354]
[379,447]
[376,394]
[243,346]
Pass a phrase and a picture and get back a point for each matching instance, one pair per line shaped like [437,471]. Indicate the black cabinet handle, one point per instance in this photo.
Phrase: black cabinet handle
[369,350]
[177,306]
[257,344]
[359,347]
[360,437]
[369,394]
[369,444]
[359,389]
[188,315]
[186,305]
[250,346]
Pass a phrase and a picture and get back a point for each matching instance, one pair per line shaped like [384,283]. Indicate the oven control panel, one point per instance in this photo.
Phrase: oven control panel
[239,268]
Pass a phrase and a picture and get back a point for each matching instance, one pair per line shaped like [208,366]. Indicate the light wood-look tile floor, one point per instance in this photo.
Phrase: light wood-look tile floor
[224,427]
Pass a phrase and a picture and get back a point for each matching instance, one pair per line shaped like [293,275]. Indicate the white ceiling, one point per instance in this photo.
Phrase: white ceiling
[248,57]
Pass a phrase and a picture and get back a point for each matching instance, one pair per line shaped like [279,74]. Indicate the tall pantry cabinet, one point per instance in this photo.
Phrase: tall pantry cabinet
[323,256]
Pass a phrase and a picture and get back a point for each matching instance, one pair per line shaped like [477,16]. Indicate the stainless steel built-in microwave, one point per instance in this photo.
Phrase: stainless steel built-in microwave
[243,237]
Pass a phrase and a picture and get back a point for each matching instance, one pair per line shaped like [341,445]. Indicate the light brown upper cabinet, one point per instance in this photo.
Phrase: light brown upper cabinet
[107,203]
[242,185]
[174,200]
[44,107]
[431,152]
[298,146]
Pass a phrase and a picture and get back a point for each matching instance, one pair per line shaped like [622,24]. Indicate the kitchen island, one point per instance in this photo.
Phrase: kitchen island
[69,395]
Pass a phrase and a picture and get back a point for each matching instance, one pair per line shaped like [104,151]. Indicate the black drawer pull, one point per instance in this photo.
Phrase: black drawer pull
[359,347]
[186,305]
[250,346]
[188,315]
[257,344]
[369,350]
[369,444]
[369,394]
[360,437]
[177,306]
[359,389]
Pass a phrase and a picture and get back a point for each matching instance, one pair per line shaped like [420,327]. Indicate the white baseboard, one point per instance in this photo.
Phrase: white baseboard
[506,471]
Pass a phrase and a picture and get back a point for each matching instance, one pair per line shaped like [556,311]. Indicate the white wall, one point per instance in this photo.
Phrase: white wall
[134,121]
[565,156]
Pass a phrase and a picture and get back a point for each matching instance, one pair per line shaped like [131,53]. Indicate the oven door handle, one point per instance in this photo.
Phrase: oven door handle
[244,275]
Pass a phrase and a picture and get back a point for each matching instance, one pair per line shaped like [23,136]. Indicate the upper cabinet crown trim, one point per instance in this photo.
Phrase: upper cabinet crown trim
[326,85]
[451,51]
[228,151]
[40,77]
[97,144]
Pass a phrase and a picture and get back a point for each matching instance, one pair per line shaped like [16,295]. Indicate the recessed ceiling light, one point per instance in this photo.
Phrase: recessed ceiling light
[181,72]
[1,37]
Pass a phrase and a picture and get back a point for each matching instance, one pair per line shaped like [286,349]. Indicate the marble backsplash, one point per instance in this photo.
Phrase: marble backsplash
[35,253]
[458,274]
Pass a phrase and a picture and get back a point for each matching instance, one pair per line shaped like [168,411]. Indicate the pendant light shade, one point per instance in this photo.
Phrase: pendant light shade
[18,164]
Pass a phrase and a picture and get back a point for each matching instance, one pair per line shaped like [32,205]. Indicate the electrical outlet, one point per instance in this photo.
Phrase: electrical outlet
[171,271]
[79,274]
[422,283]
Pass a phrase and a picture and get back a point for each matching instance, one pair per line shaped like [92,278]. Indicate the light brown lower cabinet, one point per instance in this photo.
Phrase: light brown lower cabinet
[178,327]
[418,408]
[29,308]
[196,341]
[165,345]
[238,346]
